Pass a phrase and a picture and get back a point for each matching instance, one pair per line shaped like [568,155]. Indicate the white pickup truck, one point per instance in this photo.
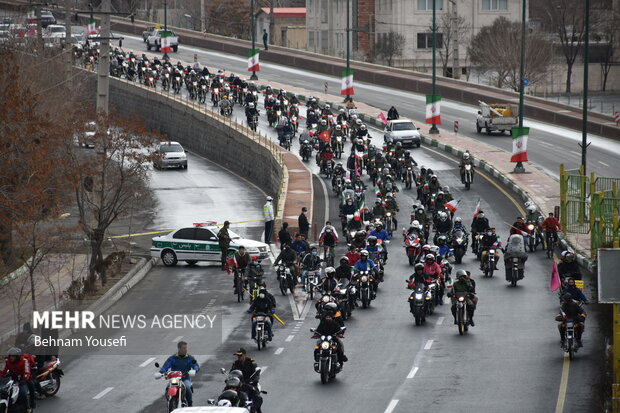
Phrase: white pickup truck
[154,40]
[496,117]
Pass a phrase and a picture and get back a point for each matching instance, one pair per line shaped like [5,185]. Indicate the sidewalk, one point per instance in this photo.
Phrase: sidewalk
[52,277]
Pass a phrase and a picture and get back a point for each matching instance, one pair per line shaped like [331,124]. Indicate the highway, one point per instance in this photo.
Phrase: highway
[548,146]
[510,361]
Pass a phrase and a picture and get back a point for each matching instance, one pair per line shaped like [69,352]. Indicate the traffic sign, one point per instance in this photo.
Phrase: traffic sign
[456,126]
[526,81]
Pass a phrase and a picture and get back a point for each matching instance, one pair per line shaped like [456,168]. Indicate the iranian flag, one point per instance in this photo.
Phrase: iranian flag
[346,87]
[360,207]
[432,109]
[91,27]
[165,46]
[452,205]
[31,14]
[477,211]
[253,60]
[519,144]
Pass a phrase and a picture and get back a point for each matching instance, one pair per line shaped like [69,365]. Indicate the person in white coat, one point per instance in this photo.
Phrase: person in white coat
[269,219]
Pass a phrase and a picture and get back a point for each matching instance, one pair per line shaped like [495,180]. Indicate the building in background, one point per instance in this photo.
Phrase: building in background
[290,26]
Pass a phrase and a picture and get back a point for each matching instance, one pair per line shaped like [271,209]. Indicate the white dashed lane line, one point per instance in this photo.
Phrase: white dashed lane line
[279,350]
[413,372]
[428,345]
[147,362]
[391,406]
[103,393]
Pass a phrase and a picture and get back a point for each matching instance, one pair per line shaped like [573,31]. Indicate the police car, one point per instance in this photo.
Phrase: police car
[199,243]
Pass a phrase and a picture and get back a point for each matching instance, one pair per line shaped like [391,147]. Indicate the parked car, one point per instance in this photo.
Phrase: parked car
[170,155]
[47,18]
[147,32]
[402,130]
[200,243]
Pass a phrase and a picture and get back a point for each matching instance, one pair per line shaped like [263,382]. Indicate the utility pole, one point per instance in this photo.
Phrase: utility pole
[584,125]
[203,17]
[103,68]
[253,20]
[348,45]
[165,24]
[272,22]
[433,129]
[68,43]
[456,68]
[518,133]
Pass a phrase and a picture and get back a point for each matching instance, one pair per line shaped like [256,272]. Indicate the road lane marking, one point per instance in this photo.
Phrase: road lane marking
[147,362]
[575,153]
[391,406]
[412,373]
[440,320]
[279,350]
[603,163]
[177,339]
[103,393]
[326,196]
[293,303]
[559,407]
[290,338]
[428,345]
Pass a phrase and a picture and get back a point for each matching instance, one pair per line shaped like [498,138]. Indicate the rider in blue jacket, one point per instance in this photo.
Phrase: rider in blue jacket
[383,235]
[182,362]
[364,264]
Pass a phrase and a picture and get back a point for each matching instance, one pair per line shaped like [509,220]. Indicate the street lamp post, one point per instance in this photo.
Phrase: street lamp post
[348,30]
[519,167]
[433,129]
[253,20]
[166,24]
[584,125]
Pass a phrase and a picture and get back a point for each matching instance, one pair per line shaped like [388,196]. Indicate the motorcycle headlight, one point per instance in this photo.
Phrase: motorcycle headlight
[459,240]
[325,345]
[389,214]
[530,227]
[418,296]
[491,251]
[174,381]
[364,278]
[461,299]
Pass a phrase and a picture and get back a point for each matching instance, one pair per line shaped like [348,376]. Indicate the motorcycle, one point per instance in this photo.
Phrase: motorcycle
[345,296]
[534,236]
[468,176]
[459,245]
[489,264]
[285,279]
[202,93]
[261,330]
[338,184]
[231,396]
[412,247]
[254,122]
[365,288]
[462,315]
[49,379]
[389,222]
[326,356]
[175,389]
[475,243]
[444,248]
[215,96]
[311,282]
[408,177]
[9,396]
[516,271]
[419,300]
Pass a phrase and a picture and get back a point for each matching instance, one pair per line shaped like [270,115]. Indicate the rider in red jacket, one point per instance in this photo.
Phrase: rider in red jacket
[18,367]
[431,267]
[551,223]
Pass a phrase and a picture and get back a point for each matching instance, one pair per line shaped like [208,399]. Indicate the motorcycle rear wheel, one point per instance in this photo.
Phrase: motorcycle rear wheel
[49,392]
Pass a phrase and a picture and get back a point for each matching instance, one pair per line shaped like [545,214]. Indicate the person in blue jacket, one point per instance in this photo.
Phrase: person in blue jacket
[364,264]
[576,293]
[383,235]
[186,364]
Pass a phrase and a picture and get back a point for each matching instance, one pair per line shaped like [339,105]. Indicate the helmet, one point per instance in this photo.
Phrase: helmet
[358,121]
[378,201]
[14,351]
[458,220]
[363,127]
[567,297]
[407,153]
[354,117]
[360,234]
[327,107]
[399,144]
[446,188]
[481,214]
[440,193]
[233,382]
[426,247]
[372,240]
[283,92]
[341,110]
[344,260]
[331,306]
[418,266]
[429,257]
[330,270]
[224,403]
[323,122]
[461,273]
[433,176]
[359,141]
[338,127]
[251,104]
[364,253]
[466,155]
[415,223]
[306,142]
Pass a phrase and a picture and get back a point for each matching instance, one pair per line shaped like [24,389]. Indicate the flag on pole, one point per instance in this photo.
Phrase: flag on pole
[519,144]
[91,27]
[452,205]
[432,109]
[477,210]
[555,278]
[31,14]
[324,136]
[383,118]
[253,60]
[346,87]
[360,207]
[165,46]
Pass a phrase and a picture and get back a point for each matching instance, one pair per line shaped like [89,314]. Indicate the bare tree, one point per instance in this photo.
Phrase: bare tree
[230,18]
[391,46]
[496,50]
[449,27]
[109,180]
[609,36]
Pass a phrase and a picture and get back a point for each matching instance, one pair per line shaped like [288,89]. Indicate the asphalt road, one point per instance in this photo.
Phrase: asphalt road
[548,146]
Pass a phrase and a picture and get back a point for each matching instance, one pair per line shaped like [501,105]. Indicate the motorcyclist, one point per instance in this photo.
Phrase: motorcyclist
[569,266]
[364,263]
[392,114]
[378,210]
[515,249]
[186,364]
[233,393]
[300,246]
[240,260]
[288,256]
[458,226]
[433,184]
[329,282]
[391,206]
[342,116]
[251,111]
[18,366]
[329,327]
[310,262]
[418,278]
[328,237]
[376,248]
[431,267]
[352,255]
[551,225]
[479,225]
[359,240]
[519,227]
[571,310]
[489,239]
[446,194]
[247,367]
[442,226]
[466,160]
[344,270]
[463,285]
[380,234]
[362,133]
[263,304]
[348,208]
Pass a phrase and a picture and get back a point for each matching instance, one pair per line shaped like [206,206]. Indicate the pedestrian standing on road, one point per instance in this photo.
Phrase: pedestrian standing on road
[302,221]
[284,236]
[265,39]
[223,238]
[269,218]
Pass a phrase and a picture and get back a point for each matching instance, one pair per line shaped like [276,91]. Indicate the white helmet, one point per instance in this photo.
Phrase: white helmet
[225,403]
[466,155]
[330,270]
[327,107]
[415,223]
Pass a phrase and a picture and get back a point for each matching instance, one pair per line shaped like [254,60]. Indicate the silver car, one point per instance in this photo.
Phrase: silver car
[170,155]
[402,130]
